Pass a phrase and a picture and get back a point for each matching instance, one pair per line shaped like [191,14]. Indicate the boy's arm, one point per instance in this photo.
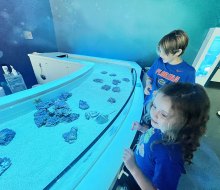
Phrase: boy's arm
[191,75]
[150,75]
[148,80]
[148,86]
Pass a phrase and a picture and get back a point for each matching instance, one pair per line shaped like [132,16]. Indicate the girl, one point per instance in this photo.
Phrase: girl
[178,116]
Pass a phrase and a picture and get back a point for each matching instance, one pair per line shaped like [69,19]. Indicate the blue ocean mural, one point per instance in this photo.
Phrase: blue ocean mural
[17,18]
[128,30]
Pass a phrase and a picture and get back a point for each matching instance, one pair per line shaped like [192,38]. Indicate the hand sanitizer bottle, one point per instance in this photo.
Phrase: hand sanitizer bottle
[5,69]
[14,72]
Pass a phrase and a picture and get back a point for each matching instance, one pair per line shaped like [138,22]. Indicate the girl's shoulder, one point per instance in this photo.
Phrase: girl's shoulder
[172,151]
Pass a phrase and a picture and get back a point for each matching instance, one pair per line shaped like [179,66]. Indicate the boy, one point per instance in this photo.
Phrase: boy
[169,67]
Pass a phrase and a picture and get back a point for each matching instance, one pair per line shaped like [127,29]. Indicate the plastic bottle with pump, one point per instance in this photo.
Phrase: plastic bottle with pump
[14,72]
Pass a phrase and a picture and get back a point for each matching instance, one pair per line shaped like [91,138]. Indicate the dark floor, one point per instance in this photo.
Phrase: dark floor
[212,137]
[204,173]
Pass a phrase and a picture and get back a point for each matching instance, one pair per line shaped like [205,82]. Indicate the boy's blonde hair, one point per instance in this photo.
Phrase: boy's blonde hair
[172,42]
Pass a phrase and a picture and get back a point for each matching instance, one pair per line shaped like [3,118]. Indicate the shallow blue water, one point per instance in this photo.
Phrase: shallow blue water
[39,154]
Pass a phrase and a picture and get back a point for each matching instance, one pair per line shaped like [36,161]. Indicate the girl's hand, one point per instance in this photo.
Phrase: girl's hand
[140,178]
[137,126]
[129,160]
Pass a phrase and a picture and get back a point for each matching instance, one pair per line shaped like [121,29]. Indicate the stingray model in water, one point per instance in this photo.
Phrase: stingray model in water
[6,136]
[5,163]
[102,118]
[104,72]
[98,80]
[83,105]
[116,81]
[116,89]
[112,75]
[106,87]
[126,79]
[91,114]
[111,100]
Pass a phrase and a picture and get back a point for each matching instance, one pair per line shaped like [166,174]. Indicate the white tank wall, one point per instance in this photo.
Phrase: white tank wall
[52,69]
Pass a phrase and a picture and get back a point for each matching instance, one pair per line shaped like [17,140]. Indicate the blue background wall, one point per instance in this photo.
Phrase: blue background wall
[130,29]
[17,17]
[121,29]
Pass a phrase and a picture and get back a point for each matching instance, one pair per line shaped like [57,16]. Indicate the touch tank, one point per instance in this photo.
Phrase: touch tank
[66,133]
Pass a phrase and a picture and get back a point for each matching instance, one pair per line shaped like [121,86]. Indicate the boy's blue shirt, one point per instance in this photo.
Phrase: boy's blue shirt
[162,164]
[164,73]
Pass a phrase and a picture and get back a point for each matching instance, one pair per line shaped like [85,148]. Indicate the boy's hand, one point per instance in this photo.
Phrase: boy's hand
[147,89]
[148,86]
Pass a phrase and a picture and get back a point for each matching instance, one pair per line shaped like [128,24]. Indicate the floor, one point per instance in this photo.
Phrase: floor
[204,173]
[212,136]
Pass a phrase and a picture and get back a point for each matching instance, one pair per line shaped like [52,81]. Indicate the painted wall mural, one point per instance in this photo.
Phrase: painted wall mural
[131,29]
[128,30]
[25,27]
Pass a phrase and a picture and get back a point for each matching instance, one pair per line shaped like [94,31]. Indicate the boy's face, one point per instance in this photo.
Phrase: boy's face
[170,58]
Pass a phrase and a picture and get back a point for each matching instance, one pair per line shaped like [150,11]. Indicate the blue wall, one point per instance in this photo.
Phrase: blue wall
[122,29]
[130,29]
[17,17]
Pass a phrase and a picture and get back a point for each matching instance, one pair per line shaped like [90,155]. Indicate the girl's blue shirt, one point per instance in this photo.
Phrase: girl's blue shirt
[162,164]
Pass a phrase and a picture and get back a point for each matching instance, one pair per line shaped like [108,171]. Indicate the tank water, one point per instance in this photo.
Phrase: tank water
[2,92]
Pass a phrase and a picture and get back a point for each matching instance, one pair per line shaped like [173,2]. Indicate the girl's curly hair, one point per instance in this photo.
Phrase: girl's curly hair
[192,104]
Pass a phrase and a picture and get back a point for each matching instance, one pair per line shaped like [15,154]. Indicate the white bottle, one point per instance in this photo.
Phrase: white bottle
[14,72]
[5,69]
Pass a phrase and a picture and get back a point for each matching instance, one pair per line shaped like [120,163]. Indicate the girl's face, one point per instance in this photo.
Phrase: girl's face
[162,115]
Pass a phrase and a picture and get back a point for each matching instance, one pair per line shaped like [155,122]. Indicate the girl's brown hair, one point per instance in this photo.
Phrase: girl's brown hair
[192,104]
